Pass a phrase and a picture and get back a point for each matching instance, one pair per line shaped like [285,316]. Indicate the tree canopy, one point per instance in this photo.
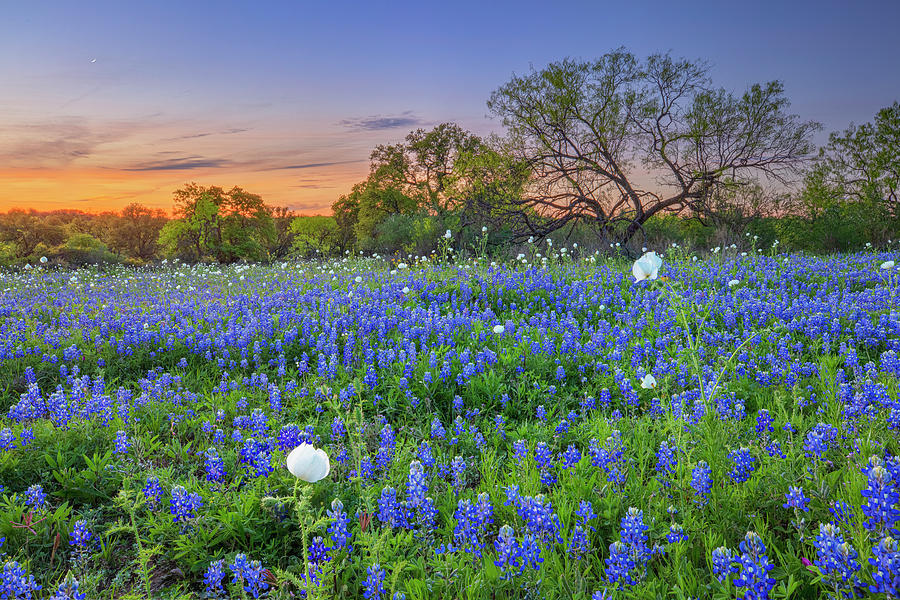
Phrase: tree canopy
[212,224]
[616,140]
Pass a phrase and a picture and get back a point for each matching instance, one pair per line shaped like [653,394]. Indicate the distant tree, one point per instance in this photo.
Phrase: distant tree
[862,163]
[282,240]
[25,231]
[82,249]
[435,179]
[423,167]
[489,183]
[616,140]
[136,233]
[346,214]
[218,225]
[315,235]
[850,195]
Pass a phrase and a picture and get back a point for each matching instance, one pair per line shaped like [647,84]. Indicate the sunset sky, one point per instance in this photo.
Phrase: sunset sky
[107,103]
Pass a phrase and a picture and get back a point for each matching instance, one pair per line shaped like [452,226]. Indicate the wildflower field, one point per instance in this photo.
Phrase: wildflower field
[578,427]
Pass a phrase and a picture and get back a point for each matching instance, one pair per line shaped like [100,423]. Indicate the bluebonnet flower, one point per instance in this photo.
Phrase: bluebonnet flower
[538,514]
[520,450]
[743,465]
[634,534]
[764,422]
[337,529]
[389,511]
[571,457]
[666,462]
[152,491]
[437,429]
[842,512]
[338,429]
[796,499]
[458,467]
[508,551]
[499,422]
[373,586]
[530,549]
[885,563]
[184,504]
[676,534]
[470,527]
[15,582]
[81,536]
[610,457]
[257,458]
[723,563]
[122,443]
[68,590]
[773,449]
[215,466]
[701,482]
[289,437]
[7,439]
[881,499]
[425,455]
[27,436]
[36,498]
[753,568]
[366,468]
[819,439]
[836,560]
[620,565]
[215,573]
[250,574]
[580,542]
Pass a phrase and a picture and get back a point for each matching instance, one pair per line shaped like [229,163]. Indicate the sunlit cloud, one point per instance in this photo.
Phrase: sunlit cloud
[57,142]
[182,164]
[315,165]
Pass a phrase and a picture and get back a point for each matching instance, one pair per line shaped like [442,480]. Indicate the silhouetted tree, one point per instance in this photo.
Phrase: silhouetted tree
[616,140]
[136,233]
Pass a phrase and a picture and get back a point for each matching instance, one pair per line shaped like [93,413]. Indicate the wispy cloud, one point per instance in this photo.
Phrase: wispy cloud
[58,142]
[315,165]
[192,136]
[185,163]
[380,122]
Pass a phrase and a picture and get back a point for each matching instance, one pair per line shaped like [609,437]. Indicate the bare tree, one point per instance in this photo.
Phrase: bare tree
[614,141]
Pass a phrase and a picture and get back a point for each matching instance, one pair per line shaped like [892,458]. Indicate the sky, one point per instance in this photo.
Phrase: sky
[107,103]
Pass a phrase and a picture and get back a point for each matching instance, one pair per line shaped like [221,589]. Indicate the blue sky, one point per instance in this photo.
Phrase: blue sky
[104,103]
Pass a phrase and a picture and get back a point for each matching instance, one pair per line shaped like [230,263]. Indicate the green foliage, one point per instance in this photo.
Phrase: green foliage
[315,236]
[217,225]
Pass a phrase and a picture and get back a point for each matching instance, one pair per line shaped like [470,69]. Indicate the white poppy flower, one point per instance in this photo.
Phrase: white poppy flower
[646,267]
[733,282]
[888,264]
[43,260]
[308,463]
[498,329]
[648,382]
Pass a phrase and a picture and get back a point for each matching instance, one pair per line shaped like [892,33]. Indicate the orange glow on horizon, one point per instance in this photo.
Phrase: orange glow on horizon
[95,190]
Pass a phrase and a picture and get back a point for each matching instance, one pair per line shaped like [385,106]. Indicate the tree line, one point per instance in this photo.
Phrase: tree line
[628,152]
[616,152]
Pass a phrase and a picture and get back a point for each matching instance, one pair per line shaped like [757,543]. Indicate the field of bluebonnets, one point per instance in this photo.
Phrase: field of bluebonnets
[560,426]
